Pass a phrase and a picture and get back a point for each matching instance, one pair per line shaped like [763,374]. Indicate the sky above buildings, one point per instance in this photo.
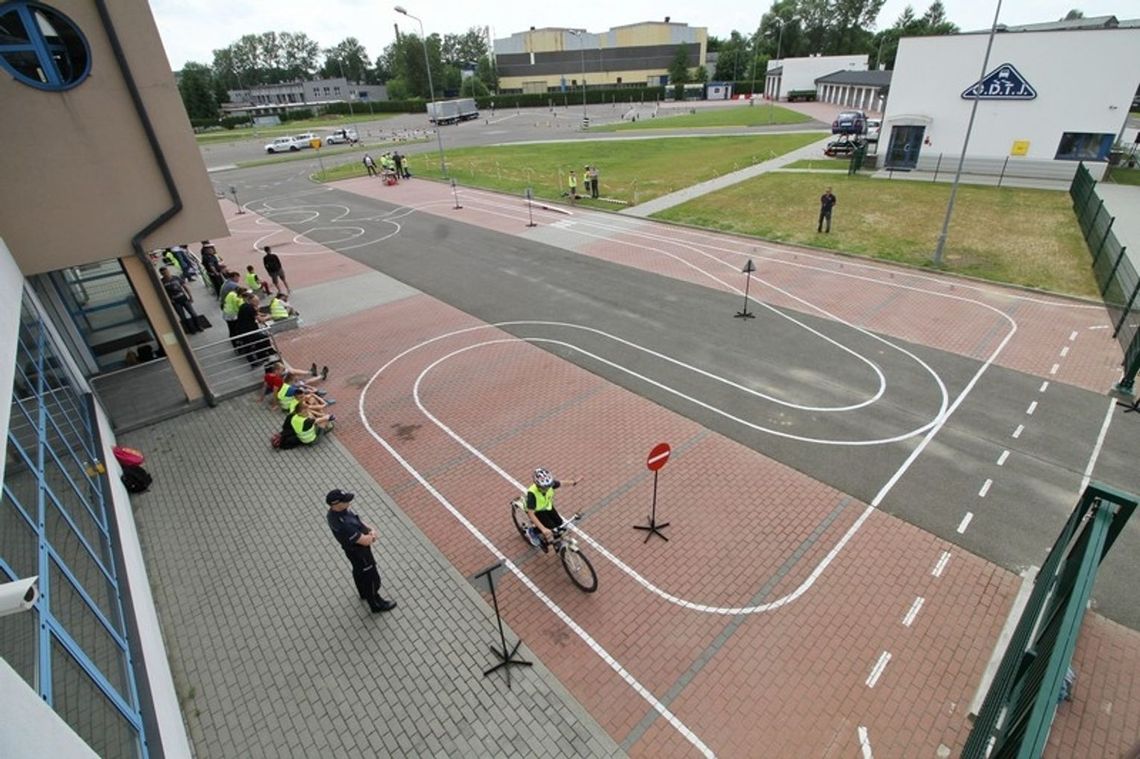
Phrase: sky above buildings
[192,29]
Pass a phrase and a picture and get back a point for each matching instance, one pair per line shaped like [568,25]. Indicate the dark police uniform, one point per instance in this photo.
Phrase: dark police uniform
[347,528]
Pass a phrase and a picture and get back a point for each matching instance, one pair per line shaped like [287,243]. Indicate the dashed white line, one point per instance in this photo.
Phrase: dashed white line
[865,743]
[1054,368]
[985,488]
[1001,459]
[1017,432]
[1072,336]
[1044,386]
[877,670]
[1032,408]
[914,608]
[965,522]
[943,560]
[1064,351]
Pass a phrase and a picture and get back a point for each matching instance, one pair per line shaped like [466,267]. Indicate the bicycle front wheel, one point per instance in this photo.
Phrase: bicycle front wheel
[580,569]
[519,517]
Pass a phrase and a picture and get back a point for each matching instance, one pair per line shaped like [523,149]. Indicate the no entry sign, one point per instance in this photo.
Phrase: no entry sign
[658,456]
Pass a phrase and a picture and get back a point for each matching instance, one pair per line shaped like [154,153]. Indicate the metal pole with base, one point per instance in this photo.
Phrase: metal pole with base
[748,269]
[507,658]
[529,209]
[653,528]
[233,191]
[455,194]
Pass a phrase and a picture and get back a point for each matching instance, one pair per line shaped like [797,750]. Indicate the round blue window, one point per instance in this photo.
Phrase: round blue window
[41,47]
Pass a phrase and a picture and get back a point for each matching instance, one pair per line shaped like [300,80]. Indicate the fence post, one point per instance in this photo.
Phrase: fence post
[1085,218]
[1103,240]
[1115,266]
[1001,176]
[937,166]
[1127,310]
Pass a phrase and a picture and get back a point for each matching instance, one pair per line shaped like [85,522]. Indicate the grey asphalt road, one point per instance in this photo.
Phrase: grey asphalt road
[497,277]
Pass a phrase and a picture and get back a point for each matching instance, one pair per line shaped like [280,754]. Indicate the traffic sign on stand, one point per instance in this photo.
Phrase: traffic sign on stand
[657,458]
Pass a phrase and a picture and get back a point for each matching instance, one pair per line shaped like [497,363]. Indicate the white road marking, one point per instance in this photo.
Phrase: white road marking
[1064,351]
[914,609]
[1053,369]
[865,743]
[1072,336]
[943,560]
[1100,326]
[965,522]
[1099,442]
[877,671]
[985,488]
[1032,408]
[1044,386]
[1001,459]
[1017,432]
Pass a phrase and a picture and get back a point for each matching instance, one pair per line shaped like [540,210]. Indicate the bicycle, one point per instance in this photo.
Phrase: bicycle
[577,566]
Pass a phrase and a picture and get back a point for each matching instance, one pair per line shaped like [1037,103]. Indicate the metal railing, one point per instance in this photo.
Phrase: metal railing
[944,165]
[234,365]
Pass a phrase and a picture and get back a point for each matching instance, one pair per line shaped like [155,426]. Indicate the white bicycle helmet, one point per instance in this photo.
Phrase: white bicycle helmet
[543,478]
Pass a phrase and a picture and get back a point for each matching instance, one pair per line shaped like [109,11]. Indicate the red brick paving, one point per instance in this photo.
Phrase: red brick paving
[786,682]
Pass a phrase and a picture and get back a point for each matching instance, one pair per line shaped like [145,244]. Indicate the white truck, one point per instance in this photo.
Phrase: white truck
[452,111]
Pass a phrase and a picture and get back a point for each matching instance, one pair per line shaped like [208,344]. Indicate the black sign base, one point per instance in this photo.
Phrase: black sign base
[652,529]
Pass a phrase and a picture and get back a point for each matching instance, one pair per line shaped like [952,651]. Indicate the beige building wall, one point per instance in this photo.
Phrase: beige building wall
[593,79]
[79,176]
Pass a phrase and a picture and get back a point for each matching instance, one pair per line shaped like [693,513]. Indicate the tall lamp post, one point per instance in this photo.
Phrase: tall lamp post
[431,88]
[347,85]
[582,49]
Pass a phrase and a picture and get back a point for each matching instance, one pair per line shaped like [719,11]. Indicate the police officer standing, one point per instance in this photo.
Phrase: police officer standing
[356,538]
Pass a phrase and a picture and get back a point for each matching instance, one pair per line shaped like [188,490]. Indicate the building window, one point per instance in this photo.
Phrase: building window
[1083,146]
[619,80]
[316,92]
[41,47]
[336,90]
[326,90]
[72,647]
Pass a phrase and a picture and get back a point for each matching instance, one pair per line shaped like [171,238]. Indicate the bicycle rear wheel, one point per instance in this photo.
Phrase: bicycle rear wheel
[519,517]
[580,569]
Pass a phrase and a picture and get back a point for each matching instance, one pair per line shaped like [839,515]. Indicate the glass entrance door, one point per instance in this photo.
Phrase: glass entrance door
[906,142]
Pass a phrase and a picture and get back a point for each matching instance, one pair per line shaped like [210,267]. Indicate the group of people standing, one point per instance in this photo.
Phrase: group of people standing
[392,166]
[590,179]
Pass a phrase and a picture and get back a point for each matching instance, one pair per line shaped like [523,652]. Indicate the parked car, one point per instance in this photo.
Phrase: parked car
[845,145]
[849,122]
[341,137]
[873,127]
[283,145]
[305,139]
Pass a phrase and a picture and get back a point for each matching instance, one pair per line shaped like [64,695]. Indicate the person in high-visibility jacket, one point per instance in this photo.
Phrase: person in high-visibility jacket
[253,282]
[293,394]
[279,308]
[304,427]
[231,304]
[540,508]
[172,262]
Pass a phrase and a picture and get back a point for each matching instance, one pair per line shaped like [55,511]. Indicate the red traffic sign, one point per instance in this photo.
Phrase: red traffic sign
[658,456]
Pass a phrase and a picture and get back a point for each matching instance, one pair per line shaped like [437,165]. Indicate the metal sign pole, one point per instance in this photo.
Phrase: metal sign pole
[529,209]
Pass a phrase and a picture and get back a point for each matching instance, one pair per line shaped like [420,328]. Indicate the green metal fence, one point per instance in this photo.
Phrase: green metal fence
[1018,710]
[1115,274]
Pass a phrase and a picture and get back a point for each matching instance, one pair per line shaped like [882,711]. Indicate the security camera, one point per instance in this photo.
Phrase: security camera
[18,596]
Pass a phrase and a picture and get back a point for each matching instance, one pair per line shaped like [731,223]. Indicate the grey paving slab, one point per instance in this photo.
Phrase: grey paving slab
[1123,203]
[341,297]
[273,654]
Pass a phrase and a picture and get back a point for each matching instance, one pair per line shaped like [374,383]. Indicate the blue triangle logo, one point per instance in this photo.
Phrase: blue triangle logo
[1003,83]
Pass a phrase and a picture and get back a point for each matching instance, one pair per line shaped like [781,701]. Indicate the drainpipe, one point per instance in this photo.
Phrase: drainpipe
[175,197]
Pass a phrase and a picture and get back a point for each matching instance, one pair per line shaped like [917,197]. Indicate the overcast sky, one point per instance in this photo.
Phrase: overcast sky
[192,29]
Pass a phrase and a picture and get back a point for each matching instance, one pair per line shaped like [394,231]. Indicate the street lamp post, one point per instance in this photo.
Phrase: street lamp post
[582,49]
[347,86]
[431,88]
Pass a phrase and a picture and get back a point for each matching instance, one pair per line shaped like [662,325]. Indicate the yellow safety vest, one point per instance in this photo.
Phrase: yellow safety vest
[277,309]
[251,281]
[231,304]
[305,436]
[542,501]
[288,402]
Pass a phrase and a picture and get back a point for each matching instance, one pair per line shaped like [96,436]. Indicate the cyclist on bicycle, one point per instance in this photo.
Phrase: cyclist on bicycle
[540,508]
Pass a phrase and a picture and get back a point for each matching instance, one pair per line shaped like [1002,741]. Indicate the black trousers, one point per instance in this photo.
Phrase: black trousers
[364,573]
[824,214]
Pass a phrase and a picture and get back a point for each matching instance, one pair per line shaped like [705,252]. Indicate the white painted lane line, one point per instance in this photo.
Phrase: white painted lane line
[1099,442]
[865,743]
[877,671]
[985,488]
[1032,408]
[1017,432]
[1072,336]
[1044,386]
[943,560]
[1053,369]
[965,521]
[914,608]
[1100,326]
[1064,351]
[1001,459]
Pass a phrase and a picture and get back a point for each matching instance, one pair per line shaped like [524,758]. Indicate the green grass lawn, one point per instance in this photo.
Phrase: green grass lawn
[632,171]
[728,116]
[1024,237]
[1118,175]
[290,127]
[829,164]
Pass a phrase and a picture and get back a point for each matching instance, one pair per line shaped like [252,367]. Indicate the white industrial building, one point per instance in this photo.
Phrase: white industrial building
[1048,99]
[799,74]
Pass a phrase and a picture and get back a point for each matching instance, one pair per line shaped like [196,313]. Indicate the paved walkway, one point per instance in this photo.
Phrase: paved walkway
[650,207]
[1123,203]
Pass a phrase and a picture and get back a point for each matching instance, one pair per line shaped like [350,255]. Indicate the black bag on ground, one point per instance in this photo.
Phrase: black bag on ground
[203,322]
[136,479]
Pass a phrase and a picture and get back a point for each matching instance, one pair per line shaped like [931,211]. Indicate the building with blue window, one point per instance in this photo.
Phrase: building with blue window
[1052,95]
[100,166]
